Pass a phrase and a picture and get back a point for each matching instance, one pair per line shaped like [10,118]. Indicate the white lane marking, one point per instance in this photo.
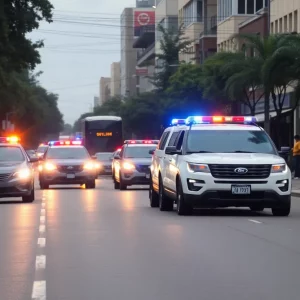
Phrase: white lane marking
[43,204]
[43,198]
[42,219]
[43,211]
[254,221]
[41,242]
[42,228]
[39,290]
[40,262]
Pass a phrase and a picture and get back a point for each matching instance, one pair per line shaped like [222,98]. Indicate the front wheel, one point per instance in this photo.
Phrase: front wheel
[122,186]
[153,196]
[29,198]
[183,209]
[165,203]
[283,211]
[90,184]
[43,185]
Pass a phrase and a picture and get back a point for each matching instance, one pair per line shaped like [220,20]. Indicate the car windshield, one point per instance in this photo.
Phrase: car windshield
[67,153]
[138,152]
[42,149]
[229,141]
[104,156]
[8,153]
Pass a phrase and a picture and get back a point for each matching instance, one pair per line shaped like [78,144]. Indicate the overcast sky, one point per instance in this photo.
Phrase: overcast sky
[76,55]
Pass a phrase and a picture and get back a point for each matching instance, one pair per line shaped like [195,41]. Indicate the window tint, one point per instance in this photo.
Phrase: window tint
[42,149]
[67,153]
[11,154]
[229,141]
[179,140]
[173,139]
[163,140]
[104,156]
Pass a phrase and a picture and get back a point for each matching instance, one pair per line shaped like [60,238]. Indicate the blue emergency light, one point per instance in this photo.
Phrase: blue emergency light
[220,119]
[178,122]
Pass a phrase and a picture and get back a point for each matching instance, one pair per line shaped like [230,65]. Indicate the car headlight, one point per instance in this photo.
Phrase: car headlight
[128,166]
[197,168]
[50,167]
[278,168]
[23,173]
[98,165]
[89,166]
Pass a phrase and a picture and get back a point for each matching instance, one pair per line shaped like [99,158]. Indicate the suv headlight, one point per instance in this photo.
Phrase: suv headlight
[23,173]
[50,167]
[128,166]
[198,168]
[278,168]
[89,166]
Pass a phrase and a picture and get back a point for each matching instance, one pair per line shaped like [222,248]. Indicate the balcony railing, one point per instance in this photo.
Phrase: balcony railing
[211,31]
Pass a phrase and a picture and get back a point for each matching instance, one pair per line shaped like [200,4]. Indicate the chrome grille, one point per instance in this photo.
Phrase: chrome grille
[143,168]
[70,169]
[227,171]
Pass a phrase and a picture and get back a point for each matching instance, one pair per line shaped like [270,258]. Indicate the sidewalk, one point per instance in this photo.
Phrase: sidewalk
[296,187]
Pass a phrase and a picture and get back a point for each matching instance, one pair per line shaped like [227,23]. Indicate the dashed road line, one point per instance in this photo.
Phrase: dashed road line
[254,221]
[39,284]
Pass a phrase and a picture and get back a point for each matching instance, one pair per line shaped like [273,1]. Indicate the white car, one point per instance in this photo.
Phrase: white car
[211,162]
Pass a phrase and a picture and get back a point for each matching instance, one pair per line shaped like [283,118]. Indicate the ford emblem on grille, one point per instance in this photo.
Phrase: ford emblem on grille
[70,168]
[241,170]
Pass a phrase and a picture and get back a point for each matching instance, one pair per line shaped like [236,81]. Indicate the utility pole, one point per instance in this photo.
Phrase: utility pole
[267,91]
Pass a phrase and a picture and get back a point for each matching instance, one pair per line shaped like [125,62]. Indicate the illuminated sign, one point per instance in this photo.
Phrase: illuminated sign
[104,134]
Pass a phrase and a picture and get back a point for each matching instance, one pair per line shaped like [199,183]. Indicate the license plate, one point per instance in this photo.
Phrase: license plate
[70,176]
[241,189]
[147,176]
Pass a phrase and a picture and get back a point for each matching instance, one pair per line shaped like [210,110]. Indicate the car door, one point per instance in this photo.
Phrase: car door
[158,157]
[167,159]
[173,162]
[117,164]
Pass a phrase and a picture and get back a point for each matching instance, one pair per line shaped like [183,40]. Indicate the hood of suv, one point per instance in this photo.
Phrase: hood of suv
[139,161]
[11,166]
[68,162]
[234,158]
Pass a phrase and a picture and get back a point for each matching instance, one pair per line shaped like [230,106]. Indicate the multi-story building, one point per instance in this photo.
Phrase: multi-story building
[96,101]
[104,91]
[144,41]
[233,13]
[115,79]
[128,54]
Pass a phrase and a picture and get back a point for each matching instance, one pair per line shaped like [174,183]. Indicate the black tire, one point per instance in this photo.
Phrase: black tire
[44,186]
[257,208]
[165,203]
[116,185]
[183,209]
[153,196]
[283,211]
[90,184]
[122,186]
[29,198]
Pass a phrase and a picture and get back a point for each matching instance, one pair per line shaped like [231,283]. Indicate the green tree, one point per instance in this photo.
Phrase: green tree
[112,107]
[172,43]
[77,125]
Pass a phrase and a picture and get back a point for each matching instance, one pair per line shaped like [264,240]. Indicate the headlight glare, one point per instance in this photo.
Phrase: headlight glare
[278,168]
[198,168]
[128,166]
[50,166]
[23,173]
[89,166]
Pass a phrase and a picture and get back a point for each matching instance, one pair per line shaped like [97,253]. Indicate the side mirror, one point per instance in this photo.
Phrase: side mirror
[151,152]
[171,150]
[117,156]
[33,159]
[94,157]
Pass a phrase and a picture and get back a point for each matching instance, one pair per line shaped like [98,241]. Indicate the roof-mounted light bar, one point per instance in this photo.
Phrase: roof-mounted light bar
[65,143]
[141,142]
[176,122]
[10,140]
[220,119]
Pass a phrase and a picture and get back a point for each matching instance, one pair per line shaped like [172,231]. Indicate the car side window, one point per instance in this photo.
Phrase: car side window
[179,140]
[163,140]
[173,138]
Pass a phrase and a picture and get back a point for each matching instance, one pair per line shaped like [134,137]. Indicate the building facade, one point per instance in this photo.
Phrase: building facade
[96,101]
[115,76]
[128,54]
[231,13]
[104,89]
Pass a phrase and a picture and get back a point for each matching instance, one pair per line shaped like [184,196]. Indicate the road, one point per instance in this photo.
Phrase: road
[77,244]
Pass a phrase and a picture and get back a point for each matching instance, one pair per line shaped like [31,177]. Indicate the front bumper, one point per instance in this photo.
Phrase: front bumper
[208,191]
[56,177]
[105,170]
[16,188]
[135,177]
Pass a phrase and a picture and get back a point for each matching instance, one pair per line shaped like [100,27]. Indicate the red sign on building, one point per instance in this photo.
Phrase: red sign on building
[142,18]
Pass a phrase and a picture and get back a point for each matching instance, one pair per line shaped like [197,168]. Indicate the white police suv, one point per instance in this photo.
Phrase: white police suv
[215,161]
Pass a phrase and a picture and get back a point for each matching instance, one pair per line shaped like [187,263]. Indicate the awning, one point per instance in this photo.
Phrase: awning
[261,117]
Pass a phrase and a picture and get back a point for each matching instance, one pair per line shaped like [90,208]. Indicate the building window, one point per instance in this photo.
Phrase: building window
[295,21]
[193,12]
[250,7]
[290,22]
[241,7]
[259,4]
[285,24]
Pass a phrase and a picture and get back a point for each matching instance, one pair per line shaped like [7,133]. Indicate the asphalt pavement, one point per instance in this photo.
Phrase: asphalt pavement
[102,244]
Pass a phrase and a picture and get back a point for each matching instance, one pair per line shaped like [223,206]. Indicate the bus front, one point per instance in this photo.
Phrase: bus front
[102,134]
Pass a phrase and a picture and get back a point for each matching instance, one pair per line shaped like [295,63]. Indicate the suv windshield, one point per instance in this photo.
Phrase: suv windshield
[104,156]
[9,153]
[229,141]
[138,152]
[67,153]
